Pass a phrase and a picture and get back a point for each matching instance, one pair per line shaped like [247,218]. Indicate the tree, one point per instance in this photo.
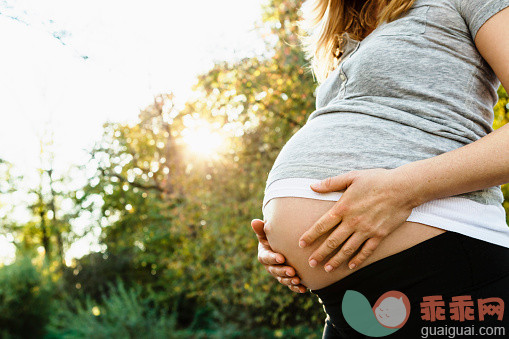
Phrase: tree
[181,222]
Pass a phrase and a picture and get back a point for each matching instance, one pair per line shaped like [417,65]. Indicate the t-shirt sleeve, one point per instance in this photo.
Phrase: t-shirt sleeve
[477,12]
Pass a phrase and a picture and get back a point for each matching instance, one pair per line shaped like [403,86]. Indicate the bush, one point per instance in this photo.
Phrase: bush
[24,300]
[121,314]
[125,314]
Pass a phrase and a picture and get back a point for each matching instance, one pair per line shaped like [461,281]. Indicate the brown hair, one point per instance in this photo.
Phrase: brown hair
[327,20]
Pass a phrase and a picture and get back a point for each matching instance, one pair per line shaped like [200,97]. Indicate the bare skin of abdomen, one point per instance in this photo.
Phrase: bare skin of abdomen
[287,218]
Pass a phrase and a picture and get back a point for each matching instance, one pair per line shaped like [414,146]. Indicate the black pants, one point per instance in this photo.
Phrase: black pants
[448,265]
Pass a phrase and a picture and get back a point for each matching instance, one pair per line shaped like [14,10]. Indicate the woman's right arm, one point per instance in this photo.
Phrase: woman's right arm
[273,262]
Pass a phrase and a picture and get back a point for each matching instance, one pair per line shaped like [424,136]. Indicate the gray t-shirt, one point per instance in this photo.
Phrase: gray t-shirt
[413,89]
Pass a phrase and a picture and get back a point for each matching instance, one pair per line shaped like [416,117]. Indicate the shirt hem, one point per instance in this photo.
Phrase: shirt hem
[457,214]
[317,172]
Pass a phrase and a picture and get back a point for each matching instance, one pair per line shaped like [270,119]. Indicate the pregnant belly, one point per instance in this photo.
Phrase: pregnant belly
[287,218]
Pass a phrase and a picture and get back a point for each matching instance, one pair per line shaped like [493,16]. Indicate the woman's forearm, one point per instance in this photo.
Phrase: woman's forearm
[481,164]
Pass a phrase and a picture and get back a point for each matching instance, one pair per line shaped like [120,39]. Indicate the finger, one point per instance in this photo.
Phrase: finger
[366,250]
[265,254]
[298,289]
[267,257]
[332,184]
[322,226]
[257,226]
[292,282]
[346,251]
[331,244]
[301,288]
[289,281]
[281,271]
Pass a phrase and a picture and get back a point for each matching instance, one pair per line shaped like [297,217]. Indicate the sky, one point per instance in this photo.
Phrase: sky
[110,59]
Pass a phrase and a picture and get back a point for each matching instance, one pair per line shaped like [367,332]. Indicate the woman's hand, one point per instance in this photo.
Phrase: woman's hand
[375,203]
[273,262]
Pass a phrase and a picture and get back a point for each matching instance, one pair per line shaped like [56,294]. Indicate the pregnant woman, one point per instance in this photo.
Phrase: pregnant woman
[410,168]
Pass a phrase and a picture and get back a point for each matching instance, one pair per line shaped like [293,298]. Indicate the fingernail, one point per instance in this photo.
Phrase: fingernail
[302,244]
[316,184]
[328,268]
[352,266]
[313,263]
[288,273]
[279,260]
[295,281]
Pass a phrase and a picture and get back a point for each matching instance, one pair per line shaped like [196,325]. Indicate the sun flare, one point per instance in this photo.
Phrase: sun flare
[200,138]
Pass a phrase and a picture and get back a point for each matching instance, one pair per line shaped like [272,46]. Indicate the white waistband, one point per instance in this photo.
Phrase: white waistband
[456,214]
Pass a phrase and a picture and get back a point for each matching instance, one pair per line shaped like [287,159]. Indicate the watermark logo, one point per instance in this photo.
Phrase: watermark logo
[392,310]
[461,308]
[389,313]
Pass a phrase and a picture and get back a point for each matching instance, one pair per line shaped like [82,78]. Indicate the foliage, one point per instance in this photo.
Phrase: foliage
[185,218]
[501,118]
[25,295]
[123,313]
[93,273]
[501,109]
[179,255]
[48,227]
